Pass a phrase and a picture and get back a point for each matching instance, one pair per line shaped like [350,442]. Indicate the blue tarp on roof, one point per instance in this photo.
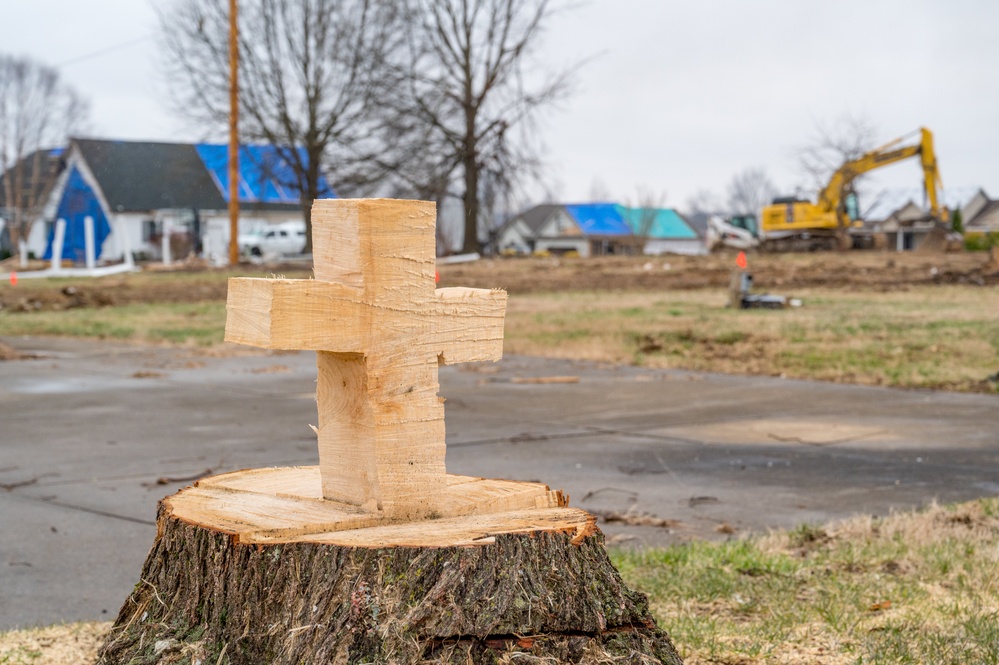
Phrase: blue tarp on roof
[599,219]
[265,175]
[79,201]
[657,222]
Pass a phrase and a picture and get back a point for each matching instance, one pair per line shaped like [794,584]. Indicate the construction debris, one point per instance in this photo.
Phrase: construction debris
[545,379]
[635,518]
[739,296]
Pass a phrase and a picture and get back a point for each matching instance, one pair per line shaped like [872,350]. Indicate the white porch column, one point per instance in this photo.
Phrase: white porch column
[165,245]
[89,253]
[124,242]
[57,242]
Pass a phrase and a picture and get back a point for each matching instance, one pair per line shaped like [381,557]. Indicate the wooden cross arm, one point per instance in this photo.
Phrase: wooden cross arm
[468,324]
[460,325]
[294,314]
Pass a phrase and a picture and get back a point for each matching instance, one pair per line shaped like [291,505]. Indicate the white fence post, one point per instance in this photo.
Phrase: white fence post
[90,255]
[121,228]
[166,243]
[57,241]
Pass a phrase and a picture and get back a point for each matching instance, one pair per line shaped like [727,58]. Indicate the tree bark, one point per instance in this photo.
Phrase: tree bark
[471,199]
[547,593]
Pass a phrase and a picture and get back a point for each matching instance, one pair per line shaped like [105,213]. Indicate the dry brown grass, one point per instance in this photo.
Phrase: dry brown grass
[898,319]
[944,337]
[69,644]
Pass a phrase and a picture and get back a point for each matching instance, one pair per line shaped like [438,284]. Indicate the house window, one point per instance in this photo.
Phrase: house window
[151,230]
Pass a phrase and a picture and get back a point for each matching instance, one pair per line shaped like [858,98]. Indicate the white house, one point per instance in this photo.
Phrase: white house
[595,229]
[135,191]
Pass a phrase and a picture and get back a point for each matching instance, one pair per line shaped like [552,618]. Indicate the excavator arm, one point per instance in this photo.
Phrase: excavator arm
[831,196]
[789,223]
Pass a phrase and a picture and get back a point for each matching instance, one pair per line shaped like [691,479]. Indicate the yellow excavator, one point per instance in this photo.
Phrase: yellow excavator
[834,221]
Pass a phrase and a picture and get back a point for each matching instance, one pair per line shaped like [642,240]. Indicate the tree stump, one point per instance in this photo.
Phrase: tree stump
[240,574]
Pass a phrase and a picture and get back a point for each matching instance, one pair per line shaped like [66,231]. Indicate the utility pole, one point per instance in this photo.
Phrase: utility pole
[233,136]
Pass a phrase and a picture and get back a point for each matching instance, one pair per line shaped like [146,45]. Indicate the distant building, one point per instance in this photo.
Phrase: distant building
[519,235]
[29,185]
[134,190]
[902,213]
[981,214]
[598,229]
[665,231]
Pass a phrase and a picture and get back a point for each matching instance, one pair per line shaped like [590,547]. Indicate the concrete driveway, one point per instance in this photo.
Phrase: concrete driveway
[92,435]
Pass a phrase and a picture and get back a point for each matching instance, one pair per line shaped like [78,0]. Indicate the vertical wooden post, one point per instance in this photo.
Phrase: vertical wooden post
[381,330]
[233,136]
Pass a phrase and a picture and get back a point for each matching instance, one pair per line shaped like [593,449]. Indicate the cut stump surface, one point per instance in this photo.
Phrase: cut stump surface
[230,584]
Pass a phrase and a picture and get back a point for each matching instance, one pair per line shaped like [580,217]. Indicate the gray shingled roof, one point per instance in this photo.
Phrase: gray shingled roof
[698,221]
[985,212]
[35,189]
[538,215]
[140,176]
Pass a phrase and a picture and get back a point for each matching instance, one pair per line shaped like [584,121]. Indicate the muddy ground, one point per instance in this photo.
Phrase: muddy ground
[878,271]
[866,270]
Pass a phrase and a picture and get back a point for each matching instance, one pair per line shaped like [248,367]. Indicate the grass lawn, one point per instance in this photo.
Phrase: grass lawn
[942,336]
[200,324]
[911,588]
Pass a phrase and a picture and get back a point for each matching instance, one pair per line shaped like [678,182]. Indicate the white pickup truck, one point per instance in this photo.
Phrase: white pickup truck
[273,241]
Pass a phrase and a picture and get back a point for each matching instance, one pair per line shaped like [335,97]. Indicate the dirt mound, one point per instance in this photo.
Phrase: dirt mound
[32,295]
[865,270]
[878,271]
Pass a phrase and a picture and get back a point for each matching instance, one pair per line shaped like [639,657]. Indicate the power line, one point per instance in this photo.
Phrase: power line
[104,51]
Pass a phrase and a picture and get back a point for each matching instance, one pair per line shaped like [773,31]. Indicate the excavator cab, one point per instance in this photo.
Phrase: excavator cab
[851,206]
[747,222]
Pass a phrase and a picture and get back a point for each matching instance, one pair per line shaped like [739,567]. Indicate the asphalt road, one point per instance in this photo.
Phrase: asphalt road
[92,435]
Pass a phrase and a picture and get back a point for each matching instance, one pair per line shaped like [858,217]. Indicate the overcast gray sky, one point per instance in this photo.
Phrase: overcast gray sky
[682,93]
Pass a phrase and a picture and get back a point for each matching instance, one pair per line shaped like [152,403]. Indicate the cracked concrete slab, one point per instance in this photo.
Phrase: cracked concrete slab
[92,435]
[804,431]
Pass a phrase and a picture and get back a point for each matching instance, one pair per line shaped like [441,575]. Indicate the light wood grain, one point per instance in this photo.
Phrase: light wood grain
[287,505]
[380,329]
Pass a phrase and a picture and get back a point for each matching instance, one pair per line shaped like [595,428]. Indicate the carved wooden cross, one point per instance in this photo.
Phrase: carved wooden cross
[380,330]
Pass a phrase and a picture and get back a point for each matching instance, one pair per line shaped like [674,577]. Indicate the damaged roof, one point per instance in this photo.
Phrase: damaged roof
[140,176]
[143,176]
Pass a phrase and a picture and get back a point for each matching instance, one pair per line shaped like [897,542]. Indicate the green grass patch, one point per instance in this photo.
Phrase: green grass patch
[201,324]
[910,588]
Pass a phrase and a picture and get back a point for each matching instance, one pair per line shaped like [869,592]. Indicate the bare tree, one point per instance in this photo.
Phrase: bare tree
[599,191]
[312,73]
[704,201]
[844,139]
[645,209]
[469,100]
[749,190]
[37,113]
